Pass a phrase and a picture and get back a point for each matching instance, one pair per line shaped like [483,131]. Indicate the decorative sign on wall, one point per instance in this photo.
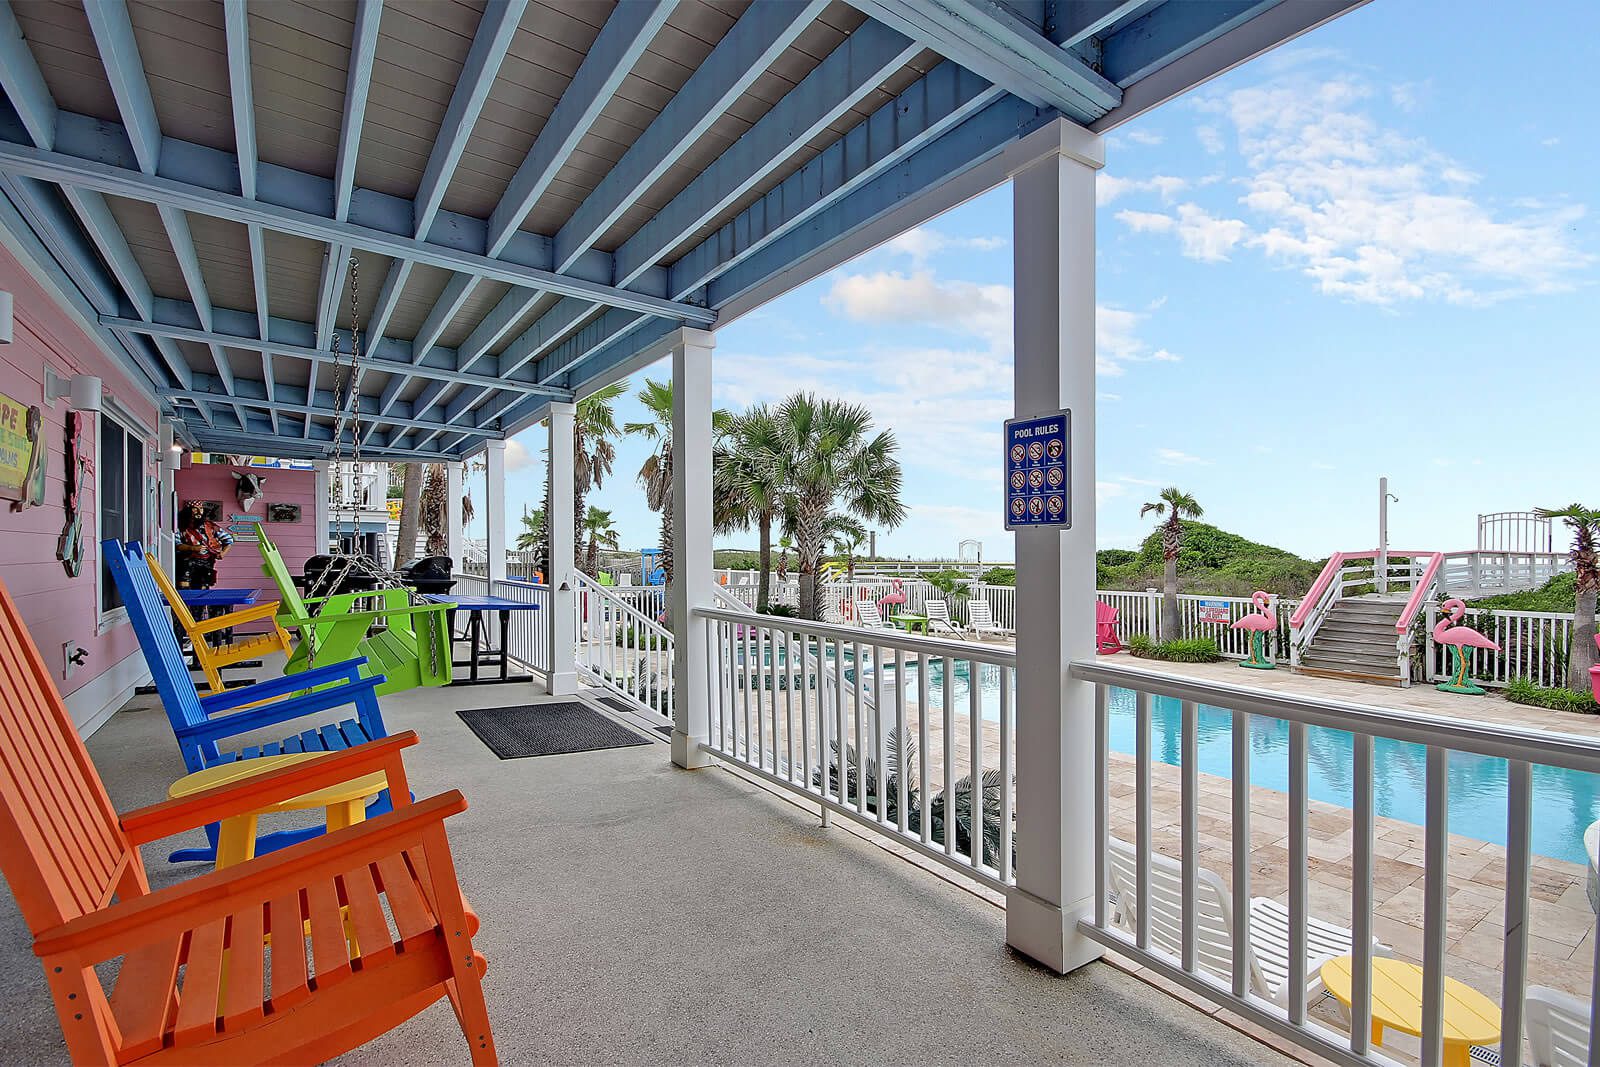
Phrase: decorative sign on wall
[69,549]
[1038,470]
[283,512]
[244,527]
[1214,611]
[21,458]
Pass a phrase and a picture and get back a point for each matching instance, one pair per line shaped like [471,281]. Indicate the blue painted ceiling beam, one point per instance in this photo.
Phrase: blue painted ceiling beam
[209,176]
[358,80]
[622,40]
[990,40]
[760,36]
[1069,23]
[1170,32]
[297,340]
[321,404]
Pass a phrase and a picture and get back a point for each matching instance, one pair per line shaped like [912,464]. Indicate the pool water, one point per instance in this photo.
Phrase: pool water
[1564,802]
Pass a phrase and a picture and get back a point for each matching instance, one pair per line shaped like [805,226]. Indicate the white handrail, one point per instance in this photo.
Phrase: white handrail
[642,641]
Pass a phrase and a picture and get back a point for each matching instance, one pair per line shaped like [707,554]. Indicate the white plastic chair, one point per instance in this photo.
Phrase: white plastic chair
[939,620]
[1558,1027]
[1268,961]
[868,615]
[981,618]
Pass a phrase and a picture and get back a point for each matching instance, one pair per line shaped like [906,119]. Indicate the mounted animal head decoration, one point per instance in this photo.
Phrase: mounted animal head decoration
[248,488]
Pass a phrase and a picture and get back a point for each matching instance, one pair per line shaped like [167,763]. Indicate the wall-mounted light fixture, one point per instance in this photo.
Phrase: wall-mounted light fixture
[5,318]
[83,390]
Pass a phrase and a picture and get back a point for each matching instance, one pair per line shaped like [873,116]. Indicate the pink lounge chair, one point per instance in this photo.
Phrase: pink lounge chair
[1105,628]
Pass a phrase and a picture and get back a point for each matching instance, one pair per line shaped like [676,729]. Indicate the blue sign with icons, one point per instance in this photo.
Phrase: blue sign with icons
[1038,470]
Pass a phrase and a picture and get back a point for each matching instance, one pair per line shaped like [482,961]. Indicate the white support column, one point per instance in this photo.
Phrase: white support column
[494,510]
[1053,250]
[455,534]
[562,623]
[167,531]
[691,544]
[324,492]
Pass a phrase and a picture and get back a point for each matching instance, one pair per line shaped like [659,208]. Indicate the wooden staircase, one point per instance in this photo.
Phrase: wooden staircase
[1357,641]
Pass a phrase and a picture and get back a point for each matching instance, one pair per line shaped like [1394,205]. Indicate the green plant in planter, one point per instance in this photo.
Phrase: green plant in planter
[1184,650]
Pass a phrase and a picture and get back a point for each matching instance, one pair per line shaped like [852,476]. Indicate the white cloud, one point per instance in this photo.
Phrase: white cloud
[1173,456]
[1109,187]
[1210,139]
[1368,213]
[922,243]
[517,455]
[1550,142]
[1118,340]
[920,298]
[1108,490]
[1144,137]
[1146,221]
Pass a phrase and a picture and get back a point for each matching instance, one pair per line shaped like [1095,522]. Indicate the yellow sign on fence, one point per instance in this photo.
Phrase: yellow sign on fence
[19,438]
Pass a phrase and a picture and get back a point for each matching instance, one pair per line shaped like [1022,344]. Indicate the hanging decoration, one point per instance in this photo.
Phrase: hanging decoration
[69,549]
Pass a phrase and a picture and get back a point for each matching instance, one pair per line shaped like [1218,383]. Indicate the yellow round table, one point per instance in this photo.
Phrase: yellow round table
[1470,1018]
[346,803]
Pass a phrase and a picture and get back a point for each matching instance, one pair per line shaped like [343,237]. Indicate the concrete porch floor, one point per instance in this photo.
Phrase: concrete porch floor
[636,913]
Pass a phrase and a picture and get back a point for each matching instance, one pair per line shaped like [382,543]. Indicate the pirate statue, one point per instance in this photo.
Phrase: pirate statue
[202,541]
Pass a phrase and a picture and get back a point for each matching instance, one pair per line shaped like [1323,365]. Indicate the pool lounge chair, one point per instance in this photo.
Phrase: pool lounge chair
[868,615]
[1558,1027]
[1269,925]
[981,619]
[939,620]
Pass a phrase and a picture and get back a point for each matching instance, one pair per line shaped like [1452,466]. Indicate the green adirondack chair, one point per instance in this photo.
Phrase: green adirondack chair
[411,649]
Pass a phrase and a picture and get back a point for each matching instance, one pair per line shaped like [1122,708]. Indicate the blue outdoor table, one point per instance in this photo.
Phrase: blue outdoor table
[477,633]
[219,598]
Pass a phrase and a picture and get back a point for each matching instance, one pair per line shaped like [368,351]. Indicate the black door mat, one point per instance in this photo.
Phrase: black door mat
[623,706]
[547,730]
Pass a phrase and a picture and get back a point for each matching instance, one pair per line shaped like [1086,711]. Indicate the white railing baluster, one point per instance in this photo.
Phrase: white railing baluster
[923,732]
[842,723]
[1514,980]
[949,709]
[975,762]
[1297,872]
[1435,890]
[1361,830]
[788,702]
[745,642]
[1142,807]
[1102,803]
[1007,770]
[1188,804]
[861,741]
[878,732]
[1240,782]
[805,711]
[901,770]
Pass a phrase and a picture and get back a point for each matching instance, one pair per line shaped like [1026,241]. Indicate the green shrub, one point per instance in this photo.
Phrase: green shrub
[626,638]
[783,611]
[999,576]
[1186,650]
[1523,691]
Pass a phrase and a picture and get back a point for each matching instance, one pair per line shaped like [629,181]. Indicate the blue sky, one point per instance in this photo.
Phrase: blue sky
[1372,252]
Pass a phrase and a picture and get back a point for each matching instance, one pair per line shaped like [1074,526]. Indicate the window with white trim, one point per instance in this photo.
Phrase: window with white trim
[119,484]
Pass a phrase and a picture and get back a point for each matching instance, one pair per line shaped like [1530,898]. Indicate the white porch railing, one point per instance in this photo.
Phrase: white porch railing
[1214,960]
[1533,644]
[530,630]
[890,730]
[1471,575]
[621,649]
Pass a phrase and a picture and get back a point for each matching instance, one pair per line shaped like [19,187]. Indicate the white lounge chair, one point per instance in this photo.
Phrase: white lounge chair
[1558,1027]
[1269,925]
[868,615]
[981,619]
[939,620]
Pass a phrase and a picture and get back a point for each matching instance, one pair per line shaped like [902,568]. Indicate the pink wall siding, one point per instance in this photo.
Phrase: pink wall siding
[241,567]
[58,608]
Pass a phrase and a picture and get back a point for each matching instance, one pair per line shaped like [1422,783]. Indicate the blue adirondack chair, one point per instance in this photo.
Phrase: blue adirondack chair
[200,723]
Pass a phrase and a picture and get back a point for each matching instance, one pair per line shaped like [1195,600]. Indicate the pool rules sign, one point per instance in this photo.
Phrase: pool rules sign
[1039,472]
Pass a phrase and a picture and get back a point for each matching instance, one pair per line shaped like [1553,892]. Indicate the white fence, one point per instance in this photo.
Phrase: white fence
[1164,914]
[1471,575]
[1533,645]
[889,730]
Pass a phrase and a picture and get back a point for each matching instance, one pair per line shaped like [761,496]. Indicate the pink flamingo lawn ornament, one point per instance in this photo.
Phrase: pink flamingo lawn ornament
[1459,638]
[896,595]
[1259,623]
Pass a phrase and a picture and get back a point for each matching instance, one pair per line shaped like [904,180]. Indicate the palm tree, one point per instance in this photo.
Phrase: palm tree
[531,539]
[594,426]
[405,548]
[1585,554]
[602,534]
[656,472]
[747,485]
[1176,505]
[848,536]
[785,543]
[828,465]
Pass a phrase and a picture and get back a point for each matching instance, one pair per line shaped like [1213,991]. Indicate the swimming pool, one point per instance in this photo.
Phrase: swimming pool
[1564,802]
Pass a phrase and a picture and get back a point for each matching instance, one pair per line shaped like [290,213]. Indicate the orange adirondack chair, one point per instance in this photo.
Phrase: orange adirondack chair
[212,658]
[66,854]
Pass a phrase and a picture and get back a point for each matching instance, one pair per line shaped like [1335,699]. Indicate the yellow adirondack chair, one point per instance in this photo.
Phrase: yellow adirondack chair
[212,658]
